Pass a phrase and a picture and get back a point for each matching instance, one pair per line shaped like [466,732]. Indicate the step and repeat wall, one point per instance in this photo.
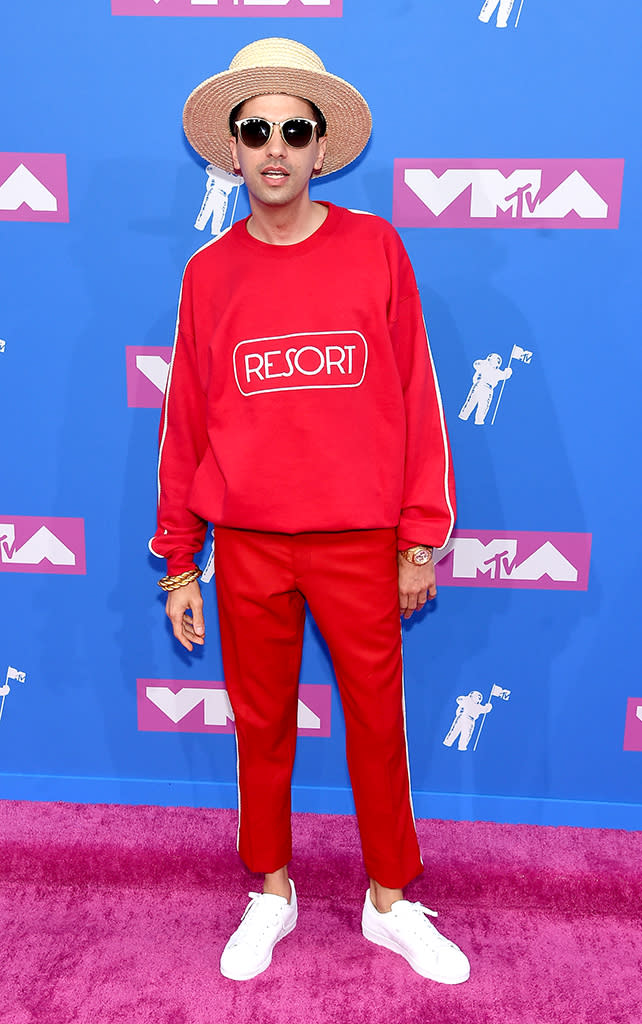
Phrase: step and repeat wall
[506,151]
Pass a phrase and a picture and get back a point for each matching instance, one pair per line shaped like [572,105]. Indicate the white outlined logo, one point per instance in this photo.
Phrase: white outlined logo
[504,10]
[488,374]
[470,708]
[300,362]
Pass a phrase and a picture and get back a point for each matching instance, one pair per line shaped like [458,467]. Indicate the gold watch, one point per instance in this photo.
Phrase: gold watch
[421,554]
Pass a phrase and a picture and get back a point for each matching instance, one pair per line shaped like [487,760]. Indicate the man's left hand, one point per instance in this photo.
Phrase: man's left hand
[416,585]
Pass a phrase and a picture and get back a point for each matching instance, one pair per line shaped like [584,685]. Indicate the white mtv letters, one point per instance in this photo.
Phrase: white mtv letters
[155,368]
[23,187]
[42,545]
[490,191]
[498,559]
[260,3]
[217,709]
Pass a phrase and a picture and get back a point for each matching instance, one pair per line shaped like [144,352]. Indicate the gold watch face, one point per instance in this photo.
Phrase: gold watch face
[421,557]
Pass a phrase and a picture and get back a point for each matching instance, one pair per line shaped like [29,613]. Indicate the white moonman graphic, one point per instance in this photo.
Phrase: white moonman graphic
[23,187]
[469,708]
[12,673]
[503,14]
[219,187]
[485,379]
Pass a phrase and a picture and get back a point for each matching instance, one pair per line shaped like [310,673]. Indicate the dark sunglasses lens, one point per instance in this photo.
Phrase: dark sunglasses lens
[297,133]
[255,132]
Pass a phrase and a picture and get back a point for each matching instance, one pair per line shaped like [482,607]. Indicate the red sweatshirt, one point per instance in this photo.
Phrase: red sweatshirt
[301,394]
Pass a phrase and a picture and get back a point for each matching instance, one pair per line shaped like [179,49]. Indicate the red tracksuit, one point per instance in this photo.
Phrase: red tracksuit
[302,417]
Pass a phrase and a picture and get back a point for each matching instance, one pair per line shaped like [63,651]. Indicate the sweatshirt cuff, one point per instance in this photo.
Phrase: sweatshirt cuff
[178,564]
[403,543]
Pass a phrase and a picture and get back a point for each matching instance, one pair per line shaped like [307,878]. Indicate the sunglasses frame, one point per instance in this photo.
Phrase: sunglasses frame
[273,125]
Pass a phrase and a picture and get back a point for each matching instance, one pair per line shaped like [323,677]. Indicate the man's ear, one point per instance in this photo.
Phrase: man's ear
[235,162]
[323,145]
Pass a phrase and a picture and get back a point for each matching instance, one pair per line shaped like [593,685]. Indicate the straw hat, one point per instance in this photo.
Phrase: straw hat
[277,66]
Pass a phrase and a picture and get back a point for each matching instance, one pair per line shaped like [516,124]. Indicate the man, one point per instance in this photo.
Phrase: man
[302,417]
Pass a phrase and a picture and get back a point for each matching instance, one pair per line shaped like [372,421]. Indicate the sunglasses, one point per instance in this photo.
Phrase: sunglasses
[256,132]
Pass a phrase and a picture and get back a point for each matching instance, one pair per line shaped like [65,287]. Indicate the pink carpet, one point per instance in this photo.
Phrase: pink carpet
[117,915]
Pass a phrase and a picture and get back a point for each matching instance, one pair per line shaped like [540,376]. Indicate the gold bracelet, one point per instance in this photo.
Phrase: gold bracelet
[174,582]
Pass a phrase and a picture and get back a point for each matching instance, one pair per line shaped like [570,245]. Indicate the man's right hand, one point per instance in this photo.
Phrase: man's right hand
[184,609]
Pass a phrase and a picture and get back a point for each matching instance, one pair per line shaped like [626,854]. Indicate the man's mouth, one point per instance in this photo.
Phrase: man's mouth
[275,172]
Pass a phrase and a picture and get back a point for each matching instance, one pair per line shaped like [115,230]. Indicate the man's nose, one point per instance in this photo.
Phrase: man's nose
[276,146]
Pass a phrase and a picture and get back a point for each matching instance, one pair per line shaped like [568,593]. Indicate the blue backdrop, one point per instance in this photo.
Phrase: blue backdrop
[535,627]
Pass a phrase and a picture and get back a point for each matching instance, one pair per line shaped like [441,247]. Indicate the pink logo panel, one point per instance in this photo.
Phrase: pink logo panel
[229,8]
[579,193]
[633,726]
[147,369]
[183,705]
[507,558]
[33,186]
[42,544]
[298,362]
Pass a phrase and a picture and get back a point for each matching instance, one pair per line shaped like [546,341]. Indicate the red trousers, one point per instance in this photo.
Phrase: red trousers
[350,583]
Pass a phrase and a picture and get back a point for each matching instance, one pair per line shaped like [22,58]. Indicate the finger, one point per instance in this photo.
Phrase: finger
[198,620]
[188,631]
[181,637]
[410,605]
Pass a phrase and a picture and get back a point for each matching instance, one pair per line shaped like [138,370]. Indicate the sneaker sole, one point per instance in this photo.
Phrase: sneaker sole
[264,966]
[390,944]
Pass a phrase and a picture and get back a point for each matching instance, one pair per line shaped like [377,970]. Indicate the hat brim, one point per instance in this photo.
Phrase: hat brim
[207,110]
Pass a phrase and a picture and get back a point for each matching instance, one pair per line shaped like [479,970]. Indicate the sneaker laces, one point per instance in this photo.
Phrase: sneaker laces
[416,916]
[259,916]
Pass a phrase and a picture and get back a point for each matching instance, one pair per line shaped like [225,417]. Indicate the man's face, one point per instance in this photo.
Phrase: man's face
[277,174]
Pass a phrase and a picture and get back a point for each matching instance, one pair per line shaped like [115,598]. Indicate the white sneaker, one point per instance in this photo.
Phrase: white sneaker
[407,930]
[266,920]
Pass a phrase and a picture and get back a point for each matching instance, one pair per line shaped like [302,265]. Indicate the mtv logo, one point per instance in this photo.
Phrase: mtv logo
[229,8]
[147,369]
[182,705]
[633,724]
[45,545]
[582,193]
[524,559]
[33,187]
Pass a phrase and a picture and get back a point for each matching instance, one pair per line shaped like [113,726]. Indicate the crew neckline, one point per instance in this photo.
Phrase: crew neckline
[296,248]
